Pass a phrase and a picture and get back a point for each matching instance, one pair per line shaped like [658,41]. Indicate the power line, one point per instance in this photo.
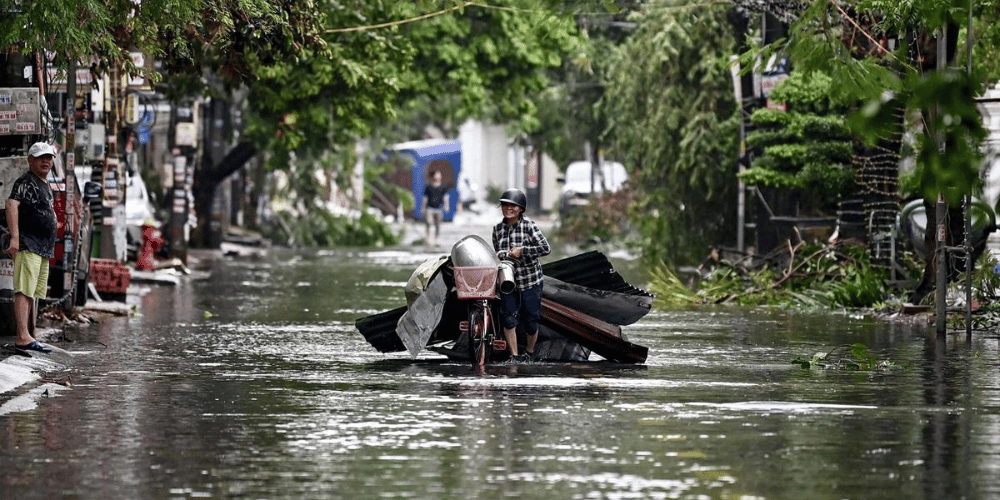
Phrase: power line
[463,5]
[422,17]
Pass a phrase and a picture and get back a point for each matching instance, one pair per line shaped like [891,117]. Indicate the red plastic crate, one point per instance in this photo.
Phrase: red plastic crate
[109,276]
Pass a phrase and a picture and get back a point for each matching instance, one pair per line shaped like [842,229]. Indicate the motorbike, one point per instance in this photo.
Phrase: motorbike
[452,309]
[480,275]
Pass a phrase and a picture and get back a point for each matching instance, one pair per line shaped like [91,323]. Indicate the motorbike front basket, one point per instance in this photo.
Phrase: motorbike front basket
[476,282]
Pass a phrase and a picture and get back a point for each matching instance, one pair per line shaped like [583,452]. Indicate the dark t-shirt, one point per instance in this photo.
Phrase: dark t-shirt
[36,219]
[435,195]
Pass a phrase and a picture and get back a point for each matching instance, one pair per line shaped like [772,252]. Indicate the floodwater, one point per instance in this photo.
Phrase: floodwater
[253,383]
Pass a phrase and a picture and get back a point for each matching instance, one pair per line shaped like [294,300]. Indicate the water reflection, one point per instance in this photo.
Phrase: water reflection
[947,423]
[254,383]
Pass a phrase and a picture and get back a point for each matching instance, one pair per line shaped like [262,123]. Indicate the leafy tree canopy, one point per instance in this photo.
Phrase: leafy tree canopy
[885,56]
[672,119]
[233,38]
[321,64]
[806,147]
[463,60]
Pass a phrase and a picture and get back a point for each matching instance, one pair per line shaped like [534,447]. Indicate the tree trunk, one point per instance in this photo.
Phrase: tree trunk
[206,183]
[955,238]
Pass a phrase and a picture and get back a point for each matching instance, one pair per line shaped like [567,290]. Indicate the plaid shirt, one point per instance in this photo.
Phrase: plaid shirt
[524,233]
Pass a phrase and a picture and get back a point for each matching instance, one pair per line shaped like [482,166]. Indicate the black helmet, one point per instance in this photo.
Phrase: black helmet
[515,196]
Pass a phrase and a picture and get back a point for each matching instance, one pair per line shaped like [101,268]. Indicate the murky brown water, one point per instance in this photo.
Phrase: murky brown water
[254,384]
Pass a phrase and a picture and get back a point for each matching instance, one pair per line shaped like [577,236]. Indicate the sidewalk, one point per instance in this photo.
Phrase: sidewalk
[18,369]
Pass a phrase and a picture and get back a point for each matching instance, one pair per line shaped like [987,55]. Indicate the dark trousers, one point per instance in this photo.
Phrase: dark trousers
[522,307]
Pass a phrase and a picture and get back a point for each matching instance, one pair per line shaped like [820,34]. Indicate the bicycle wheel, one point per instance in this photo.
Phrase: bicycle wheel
[479,338]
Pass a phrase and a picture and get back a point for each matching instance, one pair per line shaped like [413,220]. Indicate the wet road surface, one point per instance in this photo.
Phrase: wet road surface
[253,383]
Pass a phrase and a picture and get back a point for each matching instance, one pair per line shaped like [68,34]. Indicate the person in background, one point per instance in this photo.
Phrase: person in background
[519,239]
[435,198]
[31,223]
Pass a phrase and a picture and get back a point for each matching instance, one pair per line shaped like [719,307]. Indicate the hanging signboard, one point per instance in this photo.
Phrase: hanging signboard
[776,106]
[84,79]
[20,112]
[141,81]
[185,134]
[10,169]
[112,188]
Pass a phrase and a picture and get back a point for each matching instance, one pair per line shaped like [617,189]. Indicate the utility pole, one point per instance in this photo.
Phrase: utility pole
[113,238]
[968,204]
[941,264]
[941,212]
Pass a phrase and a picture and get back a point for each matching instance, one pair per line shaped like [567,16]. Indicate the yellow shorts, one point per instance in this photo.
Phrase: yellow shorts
[31,274]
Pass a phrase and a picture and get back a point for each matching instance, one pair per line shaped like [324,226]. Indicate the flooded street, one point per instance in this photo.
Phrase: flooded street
[254,383]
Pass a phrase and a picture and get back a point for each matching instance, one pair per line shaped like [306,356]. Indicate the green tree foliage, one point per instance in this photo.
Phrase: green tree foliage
[806,148]
[474,61]
[898,59]
[571,116]
[437,66]
[319,74]
[852,47]
[604,218]
[948,147]
[671,112]
[232,38]
[816,277]
[494,58]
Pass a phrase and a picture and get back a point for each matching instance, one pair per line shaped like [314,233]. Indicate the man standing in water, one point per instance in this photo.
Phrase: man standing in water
[31,222]
[435,198]
[518,238]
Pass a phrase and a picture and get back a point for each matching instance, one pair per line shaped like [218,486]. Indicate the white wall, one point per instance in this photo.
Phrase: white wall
[484,155]
[550,186]
[490,160]
[990,107]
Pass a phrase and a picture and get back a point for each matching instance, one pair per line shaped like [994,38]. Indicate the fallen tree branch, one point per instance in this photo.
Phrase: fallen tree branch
[790,273]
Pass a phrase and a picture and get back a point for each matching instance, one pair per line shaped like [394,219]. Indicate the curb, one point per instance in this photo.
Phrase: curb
[18,369]
[29,400]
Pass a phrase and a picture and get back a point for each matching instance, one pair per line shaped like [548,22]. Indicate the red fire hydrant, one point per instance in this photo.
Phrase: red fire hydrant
[152,241]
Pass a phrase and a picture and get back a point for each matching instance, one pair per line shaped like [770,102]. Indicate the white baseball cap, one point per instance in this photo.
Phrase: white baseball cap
[41,149]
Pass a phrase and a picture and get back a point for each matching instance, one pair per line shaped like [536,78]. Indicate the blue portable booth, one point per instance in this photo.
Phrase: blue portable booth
[430,155]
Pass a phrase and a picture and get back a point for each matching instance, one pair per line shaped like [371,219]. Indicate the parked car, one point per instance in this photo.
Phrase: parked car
[581,181]
[139,209]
